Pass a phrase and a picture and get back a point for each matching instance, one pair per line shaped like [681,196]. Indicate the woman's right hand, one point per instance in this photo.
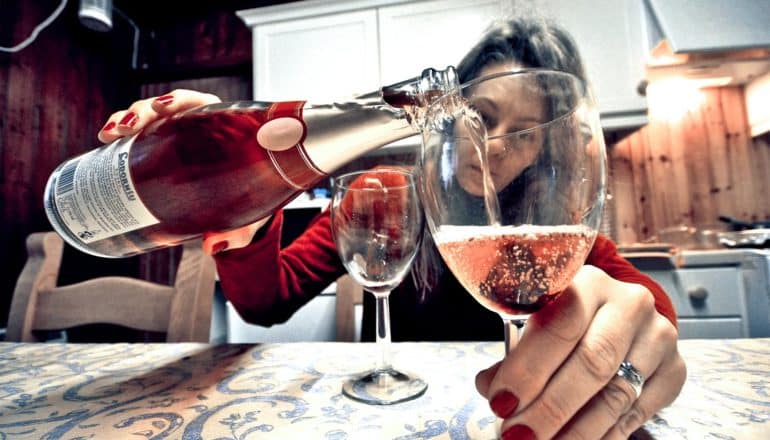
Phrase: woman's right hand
[146,111]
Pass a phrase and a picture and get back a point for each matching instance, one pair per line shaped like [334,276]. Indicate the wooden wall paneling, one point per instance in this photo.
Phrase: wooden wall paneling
[6,39]
[736,131]
[228,88]
[680,210]
[642,159]
[723,188]
[56,93]
[196,46]
[660,172]
[17,164]
[621,182]
[761,155]
[696,162]
[754,176]
[52,93]
[691,170]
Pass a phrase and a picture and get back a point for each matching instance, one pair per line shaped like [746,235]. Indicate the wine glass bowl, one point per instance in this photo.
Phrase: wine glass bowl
[377,223]
[513,182]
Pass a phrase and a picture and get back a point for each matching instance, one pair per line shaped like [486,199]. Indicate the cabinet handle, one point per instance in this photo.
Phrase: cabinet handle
[698,294]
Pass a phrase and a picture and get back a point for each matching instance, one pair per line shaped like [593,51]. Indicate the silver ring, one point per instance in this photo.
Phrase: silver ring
[632,376]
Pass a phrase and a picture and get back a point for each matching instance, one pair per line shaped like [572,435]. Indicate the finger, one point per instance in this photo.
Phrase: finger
[549,337]
[144,112]
[128,122]
[484,377]
[594,362]
[180,100]
[216,242]
[659,391]
[616,398]
[108,132]
[138,116]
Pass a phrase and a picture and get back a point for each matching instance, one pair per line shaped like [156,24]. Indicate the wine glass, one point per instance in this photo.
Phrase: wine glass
[513,182]
[377,223]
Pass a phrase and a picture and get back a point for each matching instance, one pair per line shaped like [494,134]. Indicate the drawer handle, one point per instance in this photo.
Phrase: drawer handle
[698,295]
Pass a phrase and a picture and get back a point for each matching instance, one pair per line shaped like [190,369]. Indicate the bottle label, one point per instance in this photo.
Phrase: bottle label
[95,195]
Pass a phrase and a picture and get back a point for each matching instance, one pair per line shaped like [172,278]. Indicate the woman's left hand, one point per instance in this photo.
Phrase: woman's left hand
[561,379]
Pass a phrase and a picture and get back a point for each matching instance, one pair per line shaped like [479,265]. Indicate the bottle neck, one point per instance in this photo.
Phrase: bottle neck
[340,132]
[417,94]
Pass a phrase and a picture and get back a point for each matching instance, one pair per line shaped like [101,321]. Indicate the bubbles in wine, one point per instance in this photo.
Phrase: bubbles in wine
[514,269]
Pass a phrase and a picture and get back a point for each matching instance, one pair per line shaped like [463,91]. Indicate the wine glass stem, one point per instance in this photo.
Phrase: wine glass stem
[513,331]
[383,331]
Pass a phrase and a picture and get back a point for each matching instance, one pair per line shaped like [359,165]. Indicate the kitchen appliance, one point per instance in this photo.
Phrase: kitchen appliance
[716,42]
[741,225]
[745,234]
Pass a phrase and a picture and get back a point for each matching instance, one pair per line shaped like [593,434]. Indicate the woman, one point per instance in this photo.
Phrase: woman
[561,378]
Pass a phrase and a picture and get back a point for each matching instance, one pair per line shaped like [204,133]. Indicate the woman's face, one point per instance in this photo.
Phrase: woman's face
[506,107]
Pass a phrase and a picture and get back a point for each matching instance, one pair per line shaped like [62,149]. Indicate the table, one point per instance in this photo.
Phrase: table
[292,390]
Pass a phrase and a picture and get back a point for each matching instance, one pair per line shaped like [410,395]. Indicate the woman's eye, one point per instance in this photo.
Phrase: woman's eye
[489,120]
[525,136]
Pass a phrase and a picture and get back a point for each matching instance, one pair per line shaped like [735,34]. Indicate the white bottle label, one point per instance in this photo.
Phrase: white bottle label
[95,194]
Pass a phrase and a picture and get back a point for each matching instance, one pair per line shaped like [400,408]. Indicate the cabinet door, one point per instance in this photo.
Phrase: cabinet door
[711,328]
[414,36]
[709,301]
[317,59]
[315,321]
[610,37]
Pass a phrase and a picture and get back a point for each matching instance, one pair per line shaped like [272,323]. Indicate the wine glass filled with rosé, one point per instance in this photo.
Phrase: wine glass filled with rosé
[514,181]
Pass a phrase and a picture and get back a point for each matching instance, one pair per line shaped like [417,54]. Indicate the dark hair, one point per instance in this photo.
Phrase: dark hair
[528,41]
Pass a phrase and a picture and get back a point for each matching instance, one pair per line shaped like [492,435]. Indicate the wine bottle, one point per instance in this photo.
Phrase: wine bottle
[208,170]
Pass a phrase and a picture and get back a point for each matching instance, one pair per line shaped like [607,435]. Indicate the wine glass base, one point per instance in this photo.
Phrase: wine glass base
[384,387]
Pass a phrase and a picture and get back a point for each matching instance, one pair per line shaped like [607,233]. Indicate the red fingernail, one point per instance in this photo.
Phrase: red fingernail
[165,99]
[219,247]
[129,120]
[519,432]
[109,126]
[504,404]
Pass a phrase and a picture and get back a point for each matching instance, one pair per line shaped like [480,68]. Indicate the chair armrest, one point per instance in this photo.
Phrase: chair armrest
[44,253]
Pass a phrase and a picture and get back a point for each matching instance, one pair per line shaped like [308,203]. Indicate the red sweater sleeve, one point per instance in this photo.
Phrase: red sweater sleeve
[267,284]
[605,256]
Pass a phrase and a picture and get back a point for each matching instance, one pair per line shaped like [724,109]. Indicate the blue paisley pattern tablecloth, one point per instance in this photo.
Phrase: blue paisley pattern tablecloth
[287,391]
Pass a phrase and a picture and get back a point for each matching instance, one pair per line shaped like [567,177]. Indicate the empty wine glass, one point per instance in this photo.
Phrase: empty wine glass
[514,178]
[377,222]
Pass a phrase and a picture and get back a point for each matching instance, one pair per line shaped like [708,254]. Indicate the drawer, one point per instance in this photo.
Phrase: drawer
[711,328]
[704,292]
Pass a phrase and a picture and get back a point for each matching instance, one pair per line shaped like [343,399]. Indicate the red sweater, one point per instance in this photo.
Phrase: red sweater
[267,285]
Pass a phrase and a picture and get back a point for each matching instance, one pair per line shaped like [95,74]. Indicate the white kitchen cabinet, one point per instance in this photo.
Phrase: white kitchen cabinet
[318,59]
[437,34]
[710,302]
[321,50]
[720,293]
[315,321]
[610,37]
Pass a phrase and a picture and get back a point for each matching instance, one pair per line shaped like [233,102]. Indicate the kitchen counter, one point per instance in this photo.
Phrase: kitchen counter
[718,257]
[664,257]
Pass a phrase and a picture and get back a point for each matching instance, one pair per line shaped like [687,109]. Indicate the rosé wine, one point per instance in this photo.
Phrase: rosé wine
[514,270]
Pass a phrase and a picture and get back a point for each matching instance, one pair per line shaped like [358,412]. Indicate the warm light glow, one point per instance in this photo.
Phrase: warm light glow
[671,99]
[717,81]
